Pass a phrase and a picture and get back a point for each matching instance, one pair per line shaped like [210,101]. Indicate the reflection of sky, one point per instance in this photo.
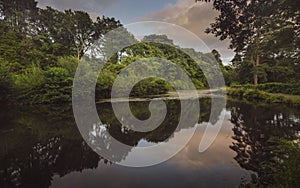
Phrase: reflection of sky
[213,168]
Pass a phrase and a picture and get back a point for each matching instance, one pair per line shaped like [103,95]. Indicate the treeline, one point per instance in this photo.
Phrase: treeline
[31,34]
[40,50]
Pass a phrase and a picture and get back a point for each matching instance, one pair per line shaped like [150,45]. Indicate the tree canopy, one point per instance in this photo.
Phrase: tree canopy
[264,34]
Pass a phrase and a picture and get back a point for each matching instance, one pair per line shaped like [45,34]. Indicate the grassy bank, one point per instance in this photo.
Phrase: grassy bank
[255,95]
[273,87]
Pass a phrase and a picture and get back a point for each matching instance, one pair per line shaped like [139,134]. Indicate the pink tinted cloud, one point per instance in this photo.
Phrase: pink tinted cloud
[195,17]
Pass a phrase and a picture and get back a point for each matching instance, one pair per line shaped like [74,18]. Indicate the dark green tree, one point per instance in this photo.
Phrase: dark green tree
[19,14]
[258,29]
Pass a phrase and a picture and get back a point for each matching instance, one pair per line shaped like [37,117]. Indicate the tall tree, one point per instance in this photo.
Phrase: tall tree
[81,27]
[19,14]
[250,25]
[73,32]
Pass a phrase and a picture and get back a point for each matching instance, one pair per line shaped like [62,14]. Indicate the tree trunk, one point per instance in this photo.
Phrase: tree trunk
[256,64]
[78,54]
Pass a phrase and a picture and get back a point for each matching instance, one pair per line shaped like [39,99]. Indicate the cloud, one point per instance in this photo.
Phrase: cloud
[90,5]
[195,17]
[93,7]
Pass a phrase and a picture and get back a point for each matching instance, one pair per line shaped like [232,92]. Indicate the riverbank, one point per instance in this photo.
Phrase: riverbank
[255,95]
[247,95]
[172,95]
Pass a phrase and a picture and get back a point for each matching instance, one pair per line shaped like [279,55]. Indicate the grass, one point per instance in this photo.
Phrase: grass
[255,95]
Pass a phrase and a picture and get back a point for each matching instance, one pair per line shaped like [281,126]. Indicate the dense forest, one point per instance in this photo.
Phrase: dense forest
[41,48]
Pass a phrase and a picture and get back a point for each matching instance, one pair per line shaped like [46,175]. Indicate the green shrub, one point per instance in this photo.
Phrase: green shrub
[69,63]
[56,88]
[253,95]
[238,93]
[104,85]
[150,86]
[285,88]
[261,96]
[31,78]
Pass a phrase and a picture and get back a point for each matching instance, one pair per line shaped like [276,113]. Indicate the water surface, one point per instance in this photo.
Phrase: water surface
[41,147]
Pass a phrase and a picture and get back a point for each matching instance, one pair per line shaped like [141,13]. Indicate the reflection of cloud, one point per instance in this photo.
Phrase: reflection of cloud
[189,168]
[214,155]
[195,17]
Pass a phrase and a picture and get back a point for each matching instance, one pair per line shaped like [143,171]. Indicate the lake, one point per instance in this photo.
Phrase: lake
[41,146]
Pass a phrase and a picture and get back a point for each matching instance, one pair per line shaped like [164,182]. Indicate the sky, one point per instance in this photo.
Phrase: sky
[195,17]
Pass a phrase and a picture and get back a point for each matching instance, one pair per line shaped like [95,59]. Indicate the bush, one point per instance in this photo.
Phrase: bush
[150,86]
[104,85]
[285,88]
[261,96]
[69,63]
[238,93]
[31,78]
[252,95]
[56,88]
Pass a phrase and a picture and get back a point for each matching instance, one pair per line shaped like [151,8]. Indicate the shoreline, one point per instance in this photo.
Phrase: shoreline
[171,95]
[259,96]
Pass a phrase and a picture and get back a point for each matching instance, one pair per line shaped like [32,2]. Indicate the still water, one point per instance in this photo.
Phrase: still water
[41,147]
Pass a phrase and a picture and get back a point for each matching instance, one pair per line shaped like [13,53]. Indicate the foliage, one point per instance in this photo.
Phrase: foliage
[138,53]
[255,95]
[286,88]
[104,84]
[153,86]
[41,49]
[260,32]
[5,80]
[69,63]
[56,87]
[31,77]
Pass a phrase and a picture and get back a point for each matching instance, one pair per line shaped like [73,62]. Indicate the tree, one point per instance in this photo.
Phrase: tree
[52,31]
[19,14]
[255,28]
[105,24]
[73,32]
[80,27]
[8,43]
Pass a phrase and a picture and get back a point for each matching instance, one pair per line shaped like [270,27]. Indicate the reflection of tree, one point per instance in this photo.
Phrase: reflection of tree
[40,142]
[32,150]
[140,110]
[254,126]
[44,159]
[161,133]
[209,114]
